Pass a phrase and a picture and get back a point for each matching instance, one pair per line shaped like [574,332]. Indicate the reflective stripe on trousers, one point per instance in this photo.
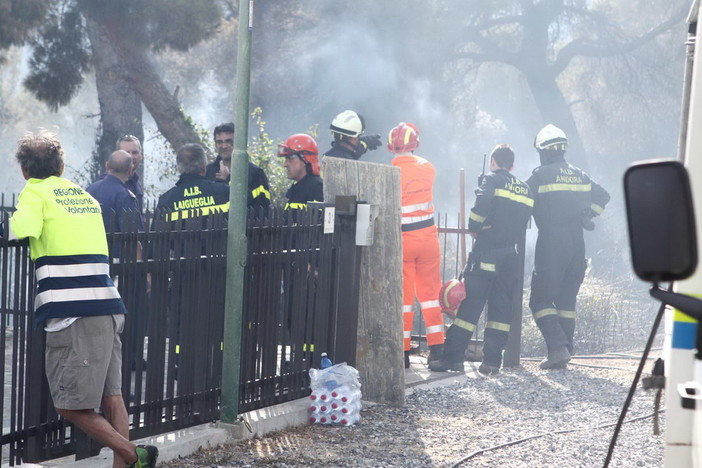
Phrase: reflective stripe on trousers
[421,262]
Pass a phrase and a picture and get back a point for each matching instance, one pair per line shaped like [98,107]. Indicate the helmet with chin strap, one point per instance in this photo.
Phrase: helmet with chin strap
[304,147]
[551,138]
[347,123]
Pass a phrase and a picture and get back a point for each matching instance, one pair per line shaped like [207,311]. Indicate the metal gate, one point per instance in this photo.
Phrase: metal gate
[301,288]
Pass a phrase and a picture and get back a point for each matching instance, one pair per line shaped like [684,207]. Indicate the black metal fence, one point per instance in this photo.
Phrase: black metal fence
[303,301]
[301,287]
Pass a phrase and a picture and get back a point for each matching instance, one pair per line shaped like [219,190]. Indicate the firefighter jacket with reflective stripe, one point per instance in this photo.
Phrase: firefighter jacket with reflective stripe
[68,245]
[417,186]
[194,195]
[258,196]
[345,151]
[564,195]
[308,189]
[503,206]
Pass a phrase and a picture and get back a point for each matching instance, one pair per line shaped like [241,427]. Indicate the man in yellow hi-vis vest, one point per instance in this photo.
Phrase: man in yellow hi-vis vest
[77,304]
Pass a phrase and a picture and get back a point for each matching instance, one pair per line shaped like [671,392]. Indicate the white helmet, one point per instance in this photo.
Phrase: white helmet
[347,123]
[552,138]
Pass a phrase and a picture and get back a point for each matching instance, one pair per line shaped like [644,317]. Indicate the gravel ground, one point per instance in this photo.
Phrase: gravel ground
[444,422]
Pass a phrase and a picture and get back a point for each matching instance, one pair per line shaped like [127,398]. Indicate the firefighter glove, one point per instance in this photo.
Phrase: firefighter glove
[371,142]
[586,220]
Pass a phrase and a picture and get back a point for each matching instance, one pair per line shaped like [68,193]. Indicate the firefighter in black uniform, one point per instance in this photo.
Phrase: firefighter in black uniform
[565,201]
[349,141]
[302,165]
[258,196]
[194,194]
[498,220]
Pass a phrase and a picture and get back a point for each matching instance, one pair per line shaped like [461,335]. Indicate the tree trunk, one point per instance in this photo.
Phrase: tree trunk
[144,78]
[555,110]
[120,105]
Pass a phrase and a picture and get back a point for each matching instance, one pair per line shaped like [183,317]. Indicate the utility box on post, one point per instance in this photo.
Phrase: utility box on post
[379,352]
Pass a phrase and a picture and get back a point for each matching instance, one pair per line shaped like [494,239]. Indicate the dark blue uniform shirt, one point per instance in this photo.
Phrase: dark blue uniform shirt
[115,199]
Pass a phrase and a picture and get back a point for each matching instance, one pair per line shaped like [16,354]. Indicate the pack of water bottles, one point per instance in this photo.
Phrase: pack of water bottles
[336,394]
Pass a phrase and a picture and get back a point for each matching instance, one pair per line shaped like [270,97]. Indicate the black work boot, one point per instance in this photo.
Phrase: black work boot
[558,358]
[436,352]
[556,342]
[487,369]
[446,366]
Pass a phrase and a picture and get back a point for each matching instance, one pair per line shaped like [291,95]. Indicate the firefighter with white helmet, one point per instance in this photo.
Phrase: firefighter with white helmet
[421,254]
[565,202]
[349,141]
[497,222]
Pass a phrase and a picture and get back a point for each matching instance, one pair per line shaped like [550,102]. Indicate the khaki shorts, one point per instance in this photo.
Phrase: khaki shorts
[84,362]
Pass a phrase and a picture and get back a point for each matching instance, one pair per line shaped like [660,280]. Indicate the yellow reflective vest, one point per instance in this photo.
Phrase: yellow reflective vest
[68,245]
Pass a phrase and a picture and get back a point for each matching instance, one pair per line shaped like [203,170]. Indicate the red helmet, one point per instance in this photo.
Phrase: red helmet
[451,295]
[304,147]
[403,138]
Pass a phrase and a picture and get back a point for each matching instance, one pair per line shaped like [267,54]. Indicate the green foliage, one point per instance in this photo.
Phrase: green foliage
[263,151]
[17,19]
[60,59]
[610,317]
[178,24]
[201,132]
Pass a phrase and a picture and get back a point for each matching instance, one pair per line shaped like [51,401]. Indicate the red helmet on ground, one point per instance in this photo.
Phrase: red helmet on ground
[451,295]
[304,147]
[403,138]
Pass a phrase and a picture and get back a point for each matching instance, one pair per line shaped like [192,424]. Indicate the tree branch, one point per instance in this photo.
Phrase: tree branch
[588,48]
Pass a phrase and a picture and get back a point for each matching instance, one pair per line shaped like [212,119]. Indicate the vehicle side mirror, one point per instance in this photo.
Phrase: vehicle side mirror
[661,221]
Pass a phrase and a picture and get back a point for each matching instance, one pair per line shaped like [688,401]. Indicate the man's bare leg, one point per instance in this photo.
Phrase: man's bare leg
[100,429]
[116,414]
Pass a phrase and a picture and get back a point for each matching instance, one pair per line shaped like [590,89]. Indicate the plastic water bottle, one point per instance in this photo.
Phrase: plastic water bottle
[350,419]
[338,391]
[346,394]
[320,419]
[350,408]
[320,395]
[326,362]
[319,408]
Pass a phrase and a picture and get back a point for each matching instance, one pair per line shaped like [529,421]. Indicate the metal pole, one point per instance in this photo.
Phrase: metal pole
[236,239]
[462,215]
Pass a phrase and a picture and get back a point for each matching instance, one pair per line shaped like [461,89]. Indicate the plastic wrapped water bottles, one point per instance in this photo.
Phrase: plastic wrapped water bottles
[321,394]
[336,395]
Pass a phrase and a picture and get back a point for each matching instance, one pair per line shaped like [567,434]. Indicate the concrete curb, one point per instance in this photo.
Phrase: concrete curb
[262,421]
[187,441]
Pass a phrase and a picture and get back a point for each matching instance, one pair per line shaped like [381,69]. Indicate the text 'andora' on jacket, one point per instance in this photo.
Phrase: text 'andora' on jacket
[503,206]
[564,194]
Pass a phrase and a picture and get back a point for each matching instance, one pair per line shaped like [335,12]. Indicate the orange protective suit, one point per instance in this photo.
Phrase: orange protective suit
[421,254]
